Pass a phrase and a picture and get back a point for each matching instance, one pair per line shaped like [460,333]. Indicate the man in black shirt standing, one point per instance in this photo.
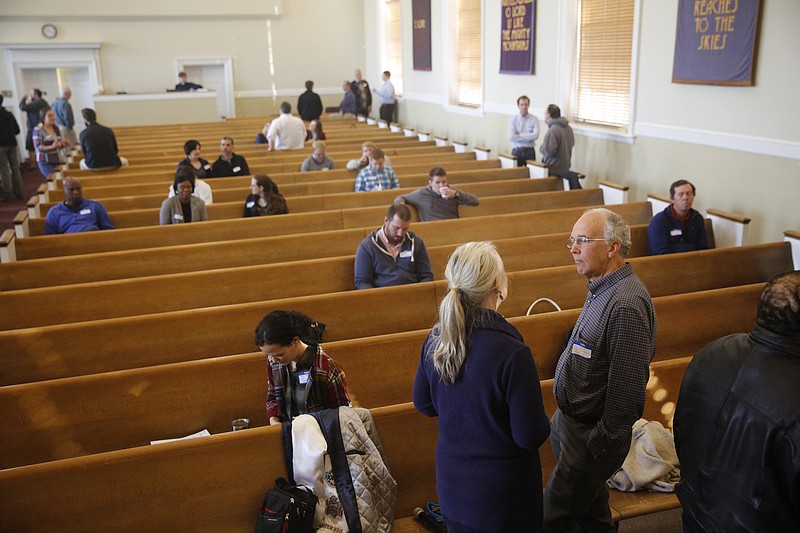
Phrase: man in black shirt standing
[10,176]
[100,151]
[228,163]
[309,104]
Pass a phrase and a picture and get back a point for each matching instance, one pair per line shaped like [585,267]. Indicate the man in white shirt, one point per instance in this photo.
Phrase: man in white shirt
[523,130]
[286,132]
[386,94]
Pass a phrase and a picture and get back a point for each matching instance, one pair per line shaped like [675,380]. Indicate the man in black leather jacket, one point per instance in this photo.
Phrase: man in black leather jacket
[737,423]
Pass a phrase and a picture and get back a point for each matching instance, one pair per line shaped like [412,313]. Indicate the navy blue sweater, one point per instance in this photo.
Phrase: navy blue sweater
[491,424]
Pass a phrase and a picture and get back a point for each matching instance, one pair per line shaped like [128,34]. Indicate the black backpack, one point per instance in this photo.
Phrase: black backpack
[287,509]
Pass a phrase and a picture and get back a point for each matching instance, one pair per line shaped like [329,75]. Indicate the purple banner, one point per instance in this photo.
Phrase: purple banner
[516,36]
[421,13]
[715,42]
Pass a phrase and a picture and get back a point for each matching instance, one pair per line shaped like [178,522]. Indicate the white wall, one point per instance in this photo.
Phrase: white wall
[740,145]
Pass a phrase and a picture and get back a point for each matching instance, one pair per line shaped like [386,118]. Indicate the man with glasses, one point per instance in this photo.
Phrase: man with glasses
[600,377]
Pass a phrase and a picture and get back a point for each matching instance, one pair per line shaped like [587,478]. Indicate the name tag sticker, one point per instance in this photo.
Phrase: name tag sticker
[406,253]
[207,167]
[302,377]
[85,211]
[237,169]
[676,232]
[177,216]
[581,349]
[250,204]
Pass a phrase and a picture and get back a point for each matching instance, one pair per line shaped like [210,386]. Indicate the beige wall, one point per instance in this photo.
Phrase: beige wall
[740,145]
[272,55]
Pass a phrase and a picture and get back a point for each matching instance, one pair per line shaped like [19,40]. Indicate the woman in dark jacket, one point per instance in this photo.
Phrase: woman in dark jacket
[478,376]
[264,198]
[202,168]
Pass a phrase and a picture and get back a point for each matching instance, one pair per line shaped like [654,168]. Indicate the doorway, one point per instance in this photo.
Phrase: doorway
[214,75]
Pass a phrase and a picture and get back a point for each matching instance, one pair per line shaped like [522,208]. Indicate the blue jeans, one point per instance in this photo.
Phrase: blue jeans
[47,168]
[524,155]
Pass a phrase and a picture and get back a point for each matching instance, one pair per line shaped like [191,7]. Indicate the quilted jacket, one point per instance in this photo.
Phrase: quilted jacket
[338,454]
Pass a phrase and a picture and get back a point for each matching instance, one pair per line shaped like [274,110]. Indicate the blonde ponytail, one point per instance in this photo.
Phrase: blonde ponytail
[472,273]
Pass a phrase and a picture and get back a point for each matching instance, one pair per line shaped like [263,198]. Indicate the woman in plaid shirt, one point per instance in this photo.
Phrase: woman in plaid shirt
[302,378]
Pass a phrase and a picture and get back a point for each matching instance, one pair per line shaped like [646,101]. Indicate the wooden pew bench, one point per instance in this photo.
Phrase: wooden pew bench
[497,203]
[138,295]
[159,236]
[209,484]
[479,181]
[64,350]
[227,474]
[222,186]
[70,417]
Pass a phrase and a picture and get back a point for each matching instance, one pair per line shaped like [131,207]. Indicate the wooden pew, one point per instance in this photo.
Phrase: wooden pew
[530,281]
[293,192]
[223,186]
[214,483]
[143,295]
[71,417]
[55,351]
[218,473]
[495,204]
[539,222]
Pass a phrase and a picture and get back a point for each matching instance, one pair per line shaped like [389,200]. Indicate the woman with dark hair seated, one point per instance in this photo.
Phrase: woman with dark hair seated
[265,199]
[301,377]
[314,132]
[202,168]
[184,207]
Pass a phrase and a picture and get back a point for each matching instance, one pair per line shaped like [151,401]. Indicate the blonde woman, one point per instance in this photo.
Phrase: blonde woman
[478,376]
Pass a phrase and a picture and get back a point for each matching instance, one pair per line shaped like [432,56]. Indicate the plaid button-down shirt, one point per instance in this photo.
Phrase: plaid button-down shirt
[617,326]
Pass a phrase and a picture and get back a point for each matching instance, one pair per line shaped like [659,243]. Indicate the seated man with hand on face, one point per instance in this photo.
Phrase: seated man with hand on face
[377,176]
[678,228]
[392,255]
[437,201]
[76,214]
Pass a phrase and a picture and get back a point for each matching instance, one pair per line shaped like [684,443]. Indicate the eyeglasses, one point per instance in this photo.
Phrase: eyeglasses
[580,241]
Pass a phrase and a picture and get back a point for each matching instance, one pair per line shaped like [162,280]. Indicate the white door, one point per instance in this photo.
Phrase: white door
[77,79]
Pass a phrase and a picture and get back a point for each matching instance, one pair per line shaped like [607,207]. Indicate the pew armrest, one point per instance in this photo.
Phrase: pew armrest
[507,160]
[658,201]
[423,136]
[793,238]
[460,146]
[382,124]
[614,193]
[440,141]
[729,229]
[8,251]
[482,153]
[43,194]
[394,127]
[538,170]
[34,209]
[22,225]
[409,132]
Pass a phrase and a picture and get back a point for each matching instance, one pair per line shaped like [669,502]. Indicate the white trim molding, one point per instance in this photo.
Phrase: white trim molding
[729,141]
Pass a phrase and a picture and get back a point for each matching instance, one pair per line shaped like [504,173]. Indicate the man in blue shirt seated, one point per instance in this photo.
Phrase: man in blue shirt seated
[76,214]
[185,85]
[392,255]
[678,228]
[377,176]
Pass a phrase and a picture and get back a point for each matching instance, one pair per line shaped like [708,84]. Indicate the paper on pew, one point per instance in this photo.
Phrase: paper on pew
[203,433]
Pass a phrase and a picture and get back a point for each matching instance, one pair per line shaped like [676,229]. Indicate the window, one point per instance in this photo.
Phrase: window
[469,67]
[393,44]
[603,73]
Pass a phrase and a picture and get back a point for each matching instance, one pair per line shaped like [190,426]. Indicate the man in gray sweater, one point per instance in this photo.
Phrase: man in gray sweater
[437,201]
